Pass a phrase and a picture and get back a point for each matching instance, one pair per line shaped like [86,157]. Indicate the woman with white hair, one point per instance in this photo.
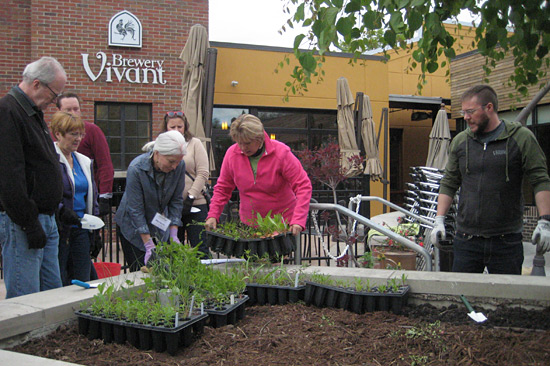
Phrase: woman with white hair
[150,209]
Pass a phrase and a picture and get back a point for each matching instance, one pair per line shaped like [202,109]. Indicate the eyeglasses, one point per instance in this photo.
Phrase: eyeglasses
[175,114]
[77,134]
[470,112]
[55,95]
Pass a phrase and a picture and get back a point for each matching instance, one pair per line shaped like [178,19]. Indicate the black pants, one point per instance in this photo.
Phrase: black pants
[133,256]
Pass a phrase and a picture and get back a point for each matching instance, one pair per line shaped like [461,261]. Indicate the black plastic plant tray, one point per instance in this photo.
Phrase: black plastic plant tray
[261,294]
[356,301]
[230,314]
[144,337]
[279,245]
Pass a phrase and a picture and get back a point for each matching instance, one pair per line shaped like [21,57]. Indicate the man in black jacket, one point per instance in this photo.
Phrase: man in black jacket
[30,181]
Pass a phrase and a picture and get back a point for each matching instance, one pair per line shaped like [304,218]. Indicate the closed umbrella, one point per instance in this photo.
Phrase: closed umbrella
[440,139]
[373,167]
[194,55]
[346,129]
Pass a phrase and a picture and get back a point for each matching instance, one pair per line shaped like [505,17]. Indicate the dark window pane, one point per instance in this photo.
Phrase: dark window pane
[131,145]
[114,112]
[130,112]
[143,129]
[114,145]
[283,119]
[128,159]
[142,142]
[294,141]
[114,129]
[130,129]
[101,112]
[116,161]
[220,115]
[324,121]
[144,112]
[103,125]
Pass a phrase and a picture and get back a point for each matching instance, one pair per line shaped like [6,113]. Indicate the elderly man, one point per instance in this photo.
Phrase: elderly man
[30,181]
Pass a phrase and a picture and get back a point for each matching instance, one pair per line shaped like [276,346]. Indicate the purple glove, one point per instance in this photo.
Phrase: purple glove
[174,235]
[149,246]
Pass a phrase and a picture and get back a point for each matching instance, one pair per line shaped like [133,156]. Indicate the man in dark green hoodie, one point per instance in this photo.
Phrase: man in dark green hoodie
[488,162]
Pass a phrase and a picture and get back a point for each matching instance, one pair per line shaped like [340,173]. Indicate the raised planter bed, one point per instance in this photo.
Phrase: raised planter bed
[228,314]
[274,295]
[357,301]
[144,337]
[279,245]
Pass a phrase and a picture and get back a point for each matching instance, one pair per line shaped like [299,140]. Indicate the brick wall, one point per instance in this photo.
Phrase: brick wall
[34,28]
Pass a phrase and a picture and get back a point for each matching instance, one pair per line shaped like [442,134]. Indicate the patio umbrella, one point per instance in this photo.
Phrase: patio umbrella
[194,55]
[373,167]
[346,129]
[440,139]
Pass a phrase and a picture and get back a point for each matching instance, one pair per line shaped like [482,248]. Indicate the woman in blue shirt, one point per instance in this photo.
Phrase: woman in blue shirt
[79,198]
[150,209]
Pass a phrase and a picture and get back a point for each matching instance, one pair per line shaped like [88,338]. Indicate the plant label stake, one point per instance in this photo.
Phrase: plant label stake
[232,299]
[191,306]
[478,317]
[202,308]
[296,279]
[176,321]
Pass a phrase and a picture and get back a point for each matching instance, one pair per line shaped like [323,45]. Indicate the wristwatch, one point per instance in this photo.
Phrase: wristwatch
[191,197]
[544,217]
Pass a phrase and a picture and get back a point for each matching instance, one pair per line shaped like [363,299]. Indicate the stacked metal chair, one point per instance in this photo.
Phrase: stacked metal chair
[421,199]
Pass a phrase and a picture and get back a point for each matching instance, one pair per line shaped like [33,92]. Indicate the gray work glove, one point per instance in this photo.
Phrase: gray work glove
[438,232]
[541,236]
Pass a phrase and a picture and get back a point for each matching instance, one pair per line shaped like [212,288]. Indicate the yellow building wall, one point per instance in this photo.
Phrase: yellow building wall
[259,85]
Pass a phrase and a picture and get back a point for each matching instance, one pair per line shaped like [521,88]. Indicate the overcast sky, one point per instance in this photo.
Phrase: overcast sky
[249,21]
[254,22]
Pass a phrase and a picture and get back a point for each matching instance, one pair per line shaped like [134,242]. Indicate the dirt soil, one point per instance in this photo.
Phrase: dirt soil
[301,335]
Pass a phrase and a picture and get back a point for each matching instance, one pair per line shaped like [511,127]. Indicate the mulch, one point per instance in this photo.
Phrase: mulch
[300,335]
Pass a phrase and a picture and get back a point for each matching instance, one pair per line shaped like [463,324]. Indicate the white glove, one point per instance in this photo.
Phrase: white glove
[438,232]
[541,236]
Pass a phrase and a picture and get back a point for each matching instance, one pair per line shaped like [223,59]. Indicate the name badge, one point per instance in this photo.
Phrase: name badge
[161,221]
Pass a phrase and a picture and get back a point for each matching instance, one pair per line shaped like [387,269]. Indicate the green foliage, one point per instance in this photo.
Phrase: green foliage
[261,227]
[357,26]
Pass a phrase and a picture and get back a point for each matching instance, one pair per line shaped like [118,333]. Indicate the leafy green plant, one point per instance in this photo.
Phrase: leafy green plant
[382,288]
[320,278]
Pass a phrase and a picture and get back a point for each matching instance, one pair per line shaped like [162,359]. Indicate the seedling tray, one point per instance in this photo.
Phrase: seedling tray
[357,301]
[261,294]
[229,314]
[144,337]
[279,245]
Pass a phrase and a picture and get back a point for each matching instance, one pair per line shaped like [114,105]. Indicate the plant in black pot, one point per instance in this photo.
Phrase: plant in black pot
[264,235]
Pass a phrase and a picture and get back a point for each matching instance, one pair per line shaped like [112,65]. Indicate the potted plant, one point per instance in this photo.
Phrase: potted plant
[390,254]
[264,235]
[325,165]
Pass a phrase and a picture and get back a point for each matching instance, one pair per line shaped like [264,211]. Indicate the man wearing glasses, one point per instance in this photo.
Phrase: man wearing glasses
[94,145]
[488,162]
[30,181]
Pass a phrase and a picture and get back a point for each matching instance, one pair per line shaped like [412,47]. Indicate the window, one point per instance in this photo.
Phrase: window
[127,128]
[295,127]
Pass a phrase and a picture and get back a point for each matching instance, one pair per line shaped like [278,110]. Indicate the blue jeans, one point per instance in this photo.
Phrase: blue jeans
[501,254]
[74,256]
[195,233]
[27,271]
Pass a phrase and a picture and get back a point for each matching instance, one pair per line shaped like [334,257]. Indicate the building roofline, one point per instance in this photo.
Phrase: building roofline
[254,47]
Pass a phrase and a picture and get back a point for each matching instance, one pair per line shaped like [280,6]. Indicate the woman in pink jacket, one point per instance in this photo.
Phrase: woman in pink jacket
[267,174]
